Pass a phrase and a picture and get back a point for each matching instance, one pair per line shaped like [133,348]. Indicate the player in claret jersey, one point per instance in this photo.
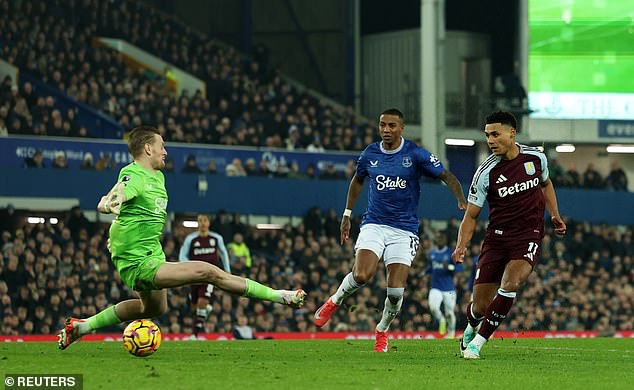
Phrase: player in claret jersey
[139,199]
[514,181]
[204,245]
[389,229]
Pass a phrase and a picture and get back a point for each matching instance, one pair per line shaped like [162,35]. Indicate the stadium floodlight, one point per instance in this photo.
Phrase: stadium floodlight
[268,226]
[565,148]
[190,224]
[53,221]
[459,142]
[620,148]
[35,220]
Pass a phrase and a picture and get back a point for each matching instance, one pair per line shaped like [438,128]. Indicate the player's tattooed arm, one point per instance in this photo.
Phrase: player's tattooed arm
[111,202]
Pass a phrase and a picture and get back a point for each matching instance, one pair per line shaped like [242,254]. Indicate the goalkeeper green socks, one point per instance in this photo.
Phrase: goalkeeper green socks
[102,319]
[259,291]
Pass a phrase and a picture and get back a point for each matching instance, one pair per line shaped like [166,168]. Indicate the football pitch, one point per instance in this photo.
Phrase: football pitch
[599,363]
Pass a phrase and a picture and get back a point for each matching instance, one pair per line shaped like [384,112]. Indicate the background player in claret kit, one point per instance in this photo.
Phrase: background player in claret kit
[204,245]
[389,229]
[443,289]
[139,200]
[514,181]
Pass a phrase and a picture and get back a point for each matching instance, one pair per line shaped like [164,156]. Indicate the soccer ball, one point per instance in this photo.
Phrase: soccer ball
[141,337]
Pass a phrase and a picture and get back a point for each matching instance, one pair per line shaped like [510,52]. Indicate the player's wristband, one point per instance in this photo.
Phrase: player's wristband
[347,213]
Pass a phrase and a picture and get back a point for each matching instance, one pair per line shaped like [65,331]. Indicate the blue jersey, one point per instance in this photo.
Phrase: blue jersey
[439,262]
[394,189]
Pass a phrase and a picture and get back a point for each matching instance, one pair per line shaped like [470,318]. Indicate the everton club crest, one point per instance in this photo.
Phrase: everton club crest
[407,162]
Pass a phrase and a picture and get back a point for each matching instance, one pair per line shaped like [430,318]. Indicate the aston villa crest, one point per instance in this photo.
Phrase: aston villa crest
[529,167]
[407,162]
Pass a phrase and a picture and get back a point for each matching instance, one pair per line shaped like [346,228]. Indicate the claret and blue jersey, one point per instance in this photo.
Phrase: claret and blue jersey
[394,182]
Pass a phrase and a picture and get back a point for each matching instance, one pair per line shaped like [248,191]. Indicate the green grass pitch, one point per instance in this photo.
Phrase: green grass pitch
[601,363]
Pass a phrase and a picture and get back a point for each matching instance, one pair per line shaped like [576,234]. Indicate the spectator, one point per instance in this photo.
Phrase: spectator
[77,222]
[169,165]
[60,161]
[4,132]
[212,168]
[242,330]
[191,166]
[250,167]
[264,169]
[311,171]
[239,251]
[235,168]
[105,162]
[592,178]
[8,221]
[331,173]
[617,179]
[37,161]
[572,178]
[294,172]
[557,174]
[87,162]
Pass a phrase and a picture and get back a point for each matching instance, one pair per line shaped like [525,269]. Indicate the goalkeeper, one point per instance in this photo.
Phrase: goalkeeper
[139,199]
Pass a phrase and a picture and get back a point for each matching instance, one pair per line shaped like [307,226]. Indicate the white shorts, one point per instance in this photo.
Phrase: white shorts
[392,244]
[447,298]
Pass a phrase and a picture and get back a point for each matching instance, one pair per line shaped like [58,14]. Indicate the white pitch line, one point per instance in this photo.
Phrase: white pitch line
[564,348]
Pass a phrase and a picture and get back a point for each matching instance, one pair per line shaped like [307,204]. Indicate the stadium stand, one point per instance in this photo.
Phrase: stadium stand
[247,103]
[49,271]
[584,281]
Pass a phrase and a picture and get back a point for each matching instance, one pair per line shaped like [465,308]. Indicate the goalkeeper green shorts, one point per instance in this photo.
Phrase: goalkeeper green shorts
[139,274]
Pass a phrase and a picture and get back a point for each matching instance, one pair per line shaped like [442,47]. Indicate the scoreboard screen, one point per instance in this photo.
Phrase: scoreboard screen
[581,59]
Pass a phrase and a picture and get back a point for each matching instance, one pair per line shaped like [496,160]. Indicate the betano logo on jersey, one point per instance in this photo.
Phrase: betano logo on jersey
[204,251]
[518,187]
[383,182]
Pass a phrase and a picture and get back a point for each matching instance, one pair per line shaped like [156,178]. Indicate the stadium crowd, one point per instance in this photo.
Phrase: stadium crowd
[583,282]
[247,101]
[50,271]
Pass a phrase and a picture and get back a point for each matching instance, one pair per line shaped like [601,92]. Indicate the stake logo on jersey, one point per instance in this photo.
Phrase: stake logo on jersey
[394,189]
[513,190]
[383,182]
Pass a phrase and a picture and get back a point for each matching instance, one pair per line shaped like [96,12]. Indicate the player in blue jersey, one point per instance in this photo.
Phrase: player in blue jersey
[203,245]
[443,289]
[389,229]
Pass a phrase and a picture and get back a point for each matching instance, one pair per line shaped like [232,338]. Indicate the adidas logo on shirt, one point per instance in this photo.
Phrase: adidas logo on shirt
[501,179]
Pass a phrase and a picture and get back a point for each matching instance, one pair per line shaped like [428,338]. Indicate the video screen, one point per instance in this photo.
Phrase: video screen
[581,59]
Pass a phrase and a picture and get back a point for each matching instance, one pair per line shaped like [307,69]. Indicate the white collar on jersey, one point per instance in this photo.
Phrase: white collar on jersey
[392,151]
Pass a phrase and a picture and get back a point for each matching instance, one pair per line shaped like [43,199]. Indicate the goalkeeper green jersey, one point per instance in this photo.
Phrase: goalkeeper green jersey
[135,233]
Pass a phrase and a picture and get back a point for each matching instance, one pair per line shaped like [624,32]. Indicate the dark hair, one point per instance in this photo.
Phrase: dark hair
[139,136]
[393,111]
[503,117]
